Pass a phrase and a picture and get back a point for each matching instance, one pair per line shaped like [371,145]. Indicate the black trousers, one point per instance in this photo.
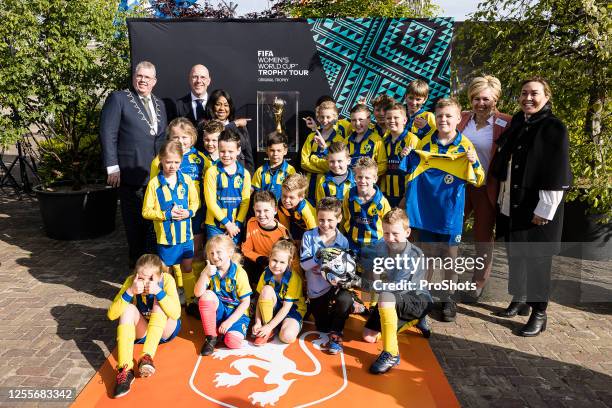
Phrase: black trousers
[332,310]
[140,233]
[529,280]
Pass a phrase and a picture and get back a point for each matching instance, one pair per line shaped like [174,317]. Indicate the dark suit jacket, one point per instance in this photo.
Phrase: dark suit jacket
[183,108]
[125,135]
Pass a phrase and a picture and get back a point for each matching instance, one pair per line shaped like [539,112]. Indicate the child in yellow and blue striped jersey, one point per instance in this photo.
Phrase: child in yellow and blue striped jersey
[314,149]
[294,211]
[380,104]
[149,312]
[396,140]
[364,206]
[365,141]
[227,190]
[420,122]
[225,295]
[211,131]
[438,170]
[271,175]
[339,179]
[281,301]
[170,201]
[193,165]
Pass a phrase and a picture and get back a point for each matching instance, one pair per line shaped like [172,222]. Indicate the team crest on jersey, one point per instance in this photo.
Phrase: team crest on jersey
[367,148]
[287,375]
[181,191]
[448,179]
[197,160]
[372,211]
[238,182]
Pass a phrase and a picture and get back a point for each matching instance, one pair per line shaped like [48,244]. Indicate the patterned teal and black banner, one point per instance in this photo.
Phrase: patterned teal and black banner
[368,56]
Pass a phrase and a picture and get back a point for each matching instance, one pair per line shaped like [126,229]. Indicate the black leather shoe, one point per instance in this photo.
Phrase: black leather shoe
[535,325]
[209,346]
[513,309]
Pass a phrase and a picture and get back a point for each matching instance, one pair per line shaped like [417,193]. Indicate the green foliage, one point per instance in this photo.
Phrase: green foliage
[85,164]
[360,8]
[59,59]
[568,43]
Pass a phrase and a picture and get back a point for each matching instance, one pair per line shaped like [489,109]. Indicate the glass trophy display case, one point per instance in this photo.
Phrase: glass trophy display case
[277,111]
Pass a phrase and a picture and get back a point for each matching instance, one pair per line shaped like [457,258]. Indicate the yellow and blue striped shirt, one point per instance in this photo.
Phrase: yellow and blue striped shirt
[232,287]
[327,187]
[299,219]
[227,196]
[314,158]
[393,183]
[157,206]
[268,179]
[363,221]
[289,289]
[193,165]
[371,145]
[429,128]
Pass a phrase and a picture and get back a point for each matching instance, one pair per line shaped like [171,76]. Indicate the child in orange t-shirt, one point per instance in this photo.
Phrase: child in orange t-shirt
[263,230]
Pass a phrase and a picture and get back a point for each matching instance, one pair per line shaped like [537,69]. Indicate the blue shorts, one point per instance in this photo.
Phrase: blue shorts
[434,237]
[212,231]
[176,331]
[241,325]
[293,312]
[196,222]
[174,254]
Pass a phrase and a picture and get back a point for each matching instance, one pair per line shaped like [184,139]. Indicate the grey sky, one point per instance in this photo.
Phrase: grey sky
[458,9]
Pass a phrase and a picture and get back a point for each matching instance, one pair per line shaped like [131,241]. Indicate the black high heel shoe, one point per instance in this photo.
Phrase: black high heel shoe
[513,309]
[535,325]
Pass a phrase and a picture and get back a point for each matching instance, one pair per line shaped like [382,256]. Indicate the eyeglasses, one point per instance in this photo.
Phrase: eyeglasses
[145,77]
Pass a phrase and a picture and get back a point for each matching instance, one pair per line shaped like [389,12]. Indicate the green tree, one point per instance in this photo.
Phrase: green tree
[360,8]
[567,42]
[59,60]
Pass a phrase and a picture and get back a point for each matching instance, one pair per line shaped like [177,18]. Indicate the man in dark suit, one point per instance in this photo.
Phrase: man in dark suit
[191,106]
[132,129]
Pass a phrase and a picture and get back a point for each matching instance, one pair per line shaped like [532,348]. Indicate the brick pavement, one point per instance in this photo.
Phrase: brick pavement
[54,330]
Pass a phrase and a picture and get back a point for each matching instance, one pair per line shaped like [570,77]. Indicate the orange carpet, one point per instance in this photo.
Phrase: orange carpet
[297,375]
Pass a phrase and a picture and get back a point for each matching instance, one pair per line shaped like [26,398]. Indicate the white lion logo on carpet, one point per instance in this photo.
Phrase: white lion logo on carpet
[271,358]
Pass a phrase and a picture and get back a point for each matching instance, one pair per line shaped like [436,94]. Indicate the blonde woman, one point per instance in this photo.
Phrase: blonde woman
[483,125]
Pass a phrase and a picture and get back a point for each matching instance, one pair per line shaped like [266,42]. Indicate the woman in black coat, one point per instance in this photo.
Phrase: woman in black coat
[532,165]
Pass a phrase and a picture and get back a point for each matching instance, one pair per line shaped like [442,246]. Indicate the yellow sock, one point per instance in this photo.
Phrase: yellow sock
[189,282]
[157,322]
[196,268]
[388,325]
[126,334]
[178,274]
[266,309]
